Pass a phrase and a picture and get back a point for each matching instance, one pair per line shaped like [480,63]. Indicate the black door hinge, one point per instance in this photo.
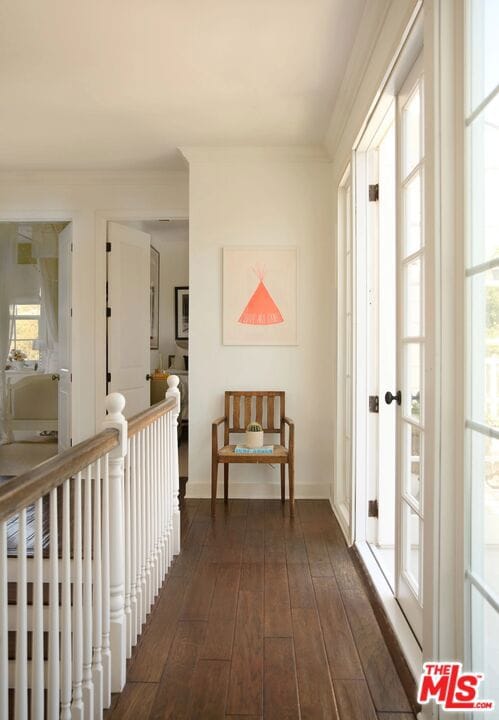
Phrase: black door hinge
[70,377]
[109,377]
[372,510]
[108,247]
[108,312]
[71,247]
[374,403]
[71,312]
[71,442]
[374,193]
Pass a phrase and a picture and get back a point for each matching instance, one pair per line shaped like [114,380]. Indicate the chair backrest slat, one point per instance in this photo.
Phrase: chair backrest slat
[258,405]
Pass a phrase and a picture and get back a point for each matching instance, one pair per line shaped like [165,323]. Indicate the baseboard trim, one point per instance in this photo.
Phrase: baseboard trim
[408,668]
[258,490]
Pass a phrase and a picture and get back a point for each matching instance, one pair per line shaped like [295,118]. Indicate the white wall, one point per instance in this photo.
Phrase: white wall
[88,199]
[261,198]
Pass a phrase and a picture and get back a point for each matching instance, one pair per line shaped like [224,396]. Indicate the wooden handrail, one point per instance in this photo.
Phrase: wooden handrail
[23,490]
[147,417]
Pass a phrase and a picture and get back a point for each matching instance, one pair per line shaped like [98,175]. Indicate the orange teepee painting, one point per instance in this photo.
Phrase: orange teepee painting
[261,308]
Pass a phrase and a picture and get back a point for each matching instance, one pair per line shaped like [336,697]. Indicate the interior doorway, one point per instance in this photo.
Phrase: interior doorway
[35,342]
[148,315]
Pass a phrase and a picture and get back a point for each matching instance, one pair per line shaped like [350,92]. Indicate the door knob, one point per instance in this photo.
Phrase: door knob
[389,398]
[148,377]
[56,376]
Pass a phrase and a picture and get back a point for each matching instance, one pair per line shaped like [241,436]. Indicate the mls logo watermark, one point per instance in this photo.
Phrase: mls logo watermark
[450,687]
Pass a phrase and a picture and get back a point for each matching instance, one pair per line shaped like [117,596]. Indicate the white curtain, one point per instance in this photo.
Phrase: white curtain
[7,246]
[49,333]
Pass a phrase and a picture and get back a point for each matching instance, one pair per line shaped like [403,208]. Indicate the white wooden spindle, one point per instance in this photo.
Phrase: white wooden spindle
[87,682]
[147,483]
[128,559]
[53,659]
[133,538]
[169,473]
[156,507]
[21,694]
[143,511]
[162,508]
[174,392]
[66,659]
[115,404]
[97,597]
[139,551]
[4,626]
[106,648]
[37,662]
[77,704]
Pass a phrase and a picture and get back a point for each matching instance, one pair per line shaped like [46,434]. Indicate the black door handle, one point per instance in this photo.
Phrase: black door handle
[148,377]
[389,398]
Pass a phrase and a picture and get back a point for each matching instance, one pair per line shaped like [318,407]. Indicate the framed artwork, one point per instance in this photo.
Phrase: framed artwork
[181,313]
[260,296]
[154,299]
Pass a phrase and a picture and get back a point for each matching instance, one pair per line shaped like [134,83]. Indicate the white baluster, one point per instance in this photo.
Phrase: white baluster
[53,669]
[157,546]
[106,650]
[143,513]
[174,392]
[128,559]
[133,537]
[169,483]
[37,672]
[87,683]
[77,704]
[148,503]
[97,597]
[4,626]
[21,696]
[162,497]
[115,404]
[140,546]
[66,661]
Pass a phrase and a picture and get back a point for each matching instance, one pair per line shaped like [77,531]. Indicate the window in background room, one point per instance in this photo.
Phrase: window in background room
[25,325]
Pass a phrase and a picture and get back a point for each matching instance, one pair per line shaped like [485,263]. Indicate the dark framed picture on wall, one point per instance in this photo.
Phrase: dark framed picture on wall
[154,299]
[181,313]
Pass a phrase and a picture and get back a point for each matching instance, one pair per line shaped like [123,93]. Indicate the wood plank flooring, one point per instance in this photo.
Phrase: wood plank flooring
[262,617]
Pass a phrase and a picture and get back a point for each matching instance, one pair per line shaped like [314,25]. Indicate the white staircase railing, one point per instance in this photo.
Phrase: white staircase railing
[86,540]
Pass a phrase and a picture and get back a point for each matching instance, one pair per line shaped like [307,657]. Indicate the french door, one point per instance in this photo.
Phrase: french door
[389,222]
[410,396]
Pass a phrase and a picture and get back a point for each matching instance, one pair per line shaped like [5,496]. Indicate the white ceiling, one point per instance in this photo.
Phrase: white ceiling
[121,84]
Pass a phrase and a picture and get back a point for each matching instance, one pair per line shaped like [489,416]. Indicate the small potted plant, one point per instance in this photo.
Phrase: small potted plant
[17,358]
[254,435]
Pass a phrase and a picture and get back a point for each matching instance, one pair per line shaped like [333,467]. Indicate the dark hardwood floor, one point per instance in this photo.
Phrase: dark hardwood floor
[262,617]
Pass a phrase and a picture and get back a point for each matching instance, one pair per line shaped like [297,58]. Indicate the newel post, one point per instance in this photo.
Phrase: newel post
[174,392]
[115,404]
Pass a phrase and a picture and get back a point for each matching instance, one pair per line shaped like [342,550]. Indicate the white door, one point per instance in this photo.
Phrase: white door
[64,337]
[410,403]
[128,277]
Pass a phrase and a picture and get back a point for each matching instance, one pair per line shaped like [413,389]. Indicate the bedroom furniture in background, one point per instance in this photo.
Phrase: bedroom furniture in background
[154,300]
[241,408]
[32,401]
[181,313]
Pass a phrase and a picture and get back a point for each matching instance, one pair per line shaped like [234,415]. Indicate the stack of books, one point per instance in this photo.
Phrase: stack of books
[243,450]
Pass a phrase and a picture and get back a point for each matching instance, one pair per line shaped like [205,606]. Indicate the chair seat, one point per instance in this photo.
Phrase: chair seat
[228,454]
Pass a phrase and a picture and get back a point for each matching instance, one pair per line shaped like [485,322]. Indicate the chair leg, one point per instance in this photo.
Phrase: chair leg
[226,482]
[291,471]
[214,478]
[283,483]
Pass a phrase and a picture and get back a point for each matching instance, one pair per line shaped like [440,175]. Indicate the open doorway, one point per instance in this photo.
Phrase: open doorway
[148,315]
[35,343]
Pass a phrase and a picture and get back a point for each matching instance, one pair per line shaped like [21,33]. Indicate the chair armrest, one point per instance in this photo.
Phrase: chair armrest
[214,433]
[291,439]
[288,421]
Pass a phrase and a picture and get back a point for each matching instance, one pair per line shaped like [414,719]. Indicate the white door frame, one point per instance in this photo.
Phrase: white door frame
[102,217]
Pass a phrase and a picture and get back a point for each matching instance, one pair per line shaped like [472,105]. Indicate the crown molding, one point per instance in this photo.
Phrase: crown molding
[92,178]
[233,154]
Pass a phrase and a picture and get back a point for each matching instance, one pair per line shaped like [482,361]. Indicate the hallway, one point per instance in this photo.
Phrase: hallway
[262,617]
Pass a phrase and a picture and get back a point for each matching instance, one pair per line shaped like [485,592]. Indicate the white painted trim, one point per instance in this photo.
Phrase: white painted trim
[294,153]
[270,490]
[102,217]
[91,178]
[408,643]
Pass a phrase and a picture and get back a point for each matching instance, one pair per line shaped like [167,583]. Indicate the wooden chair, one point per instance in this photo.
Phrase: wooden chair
[241,408]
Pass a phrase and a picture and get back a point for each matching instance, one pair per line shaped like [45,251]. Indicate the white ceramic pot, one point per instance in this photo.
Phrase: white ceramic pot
[254,439]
